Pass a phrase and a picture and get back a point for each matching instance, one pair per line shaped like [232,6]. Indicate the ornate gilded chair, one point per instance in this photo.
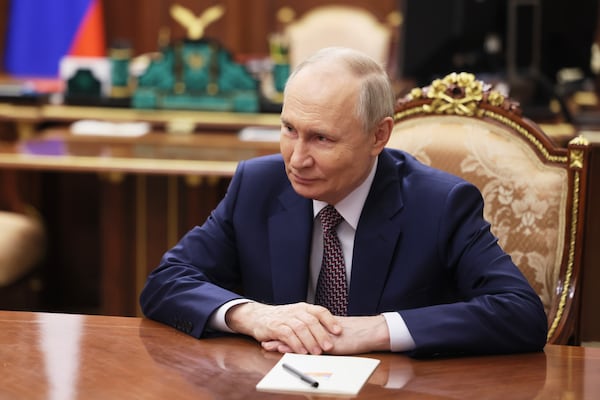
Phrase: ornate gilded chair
[534,191]
[341,25]
[22,248]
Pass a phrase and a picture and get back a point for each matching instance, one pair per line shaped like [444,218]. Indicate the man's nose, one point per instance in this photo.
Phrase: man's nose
[300,154]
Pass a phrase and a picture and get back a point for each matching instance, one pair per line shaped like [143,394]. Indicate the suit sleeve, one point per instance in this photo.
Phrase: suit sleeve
[199,274]
[497,310]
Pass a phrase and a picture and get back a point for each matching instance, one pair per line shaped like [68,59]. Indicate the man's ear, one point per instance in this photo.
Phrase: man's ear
[382,134]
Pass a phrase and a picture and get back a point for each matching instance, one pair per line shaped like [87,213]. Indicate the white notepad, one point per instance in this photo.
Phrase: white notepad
[336,374]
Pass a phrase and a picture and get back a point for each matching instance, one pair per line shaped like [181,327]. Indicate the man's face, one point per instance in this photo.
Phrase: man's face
[326,152]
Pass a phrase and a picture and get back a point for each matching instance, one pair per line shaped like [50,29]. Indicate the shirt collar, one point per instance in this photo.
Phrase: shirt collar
[350,207]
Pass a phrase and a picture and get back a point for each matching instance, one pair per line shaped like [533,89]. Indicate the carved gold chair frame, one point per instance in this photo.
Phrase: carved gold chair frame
[462,95]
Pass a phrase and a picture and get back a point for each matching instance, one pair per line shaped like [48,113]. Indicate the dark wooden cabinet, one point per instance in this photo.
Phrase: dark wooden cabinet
[113,205]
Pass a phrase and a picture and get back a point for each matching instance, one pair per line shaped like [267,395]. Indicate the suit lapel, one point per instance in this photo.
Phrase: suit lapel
[376,238]
[290,233]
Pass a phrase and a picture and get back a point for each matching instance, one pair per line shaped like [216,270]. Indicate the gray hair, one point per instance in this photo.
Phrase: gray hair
[376,97]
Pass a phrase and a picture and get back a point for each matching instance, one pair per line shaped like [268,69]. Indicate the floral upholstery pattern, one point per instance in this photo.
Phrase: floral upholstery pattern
[534,191]
[524,198]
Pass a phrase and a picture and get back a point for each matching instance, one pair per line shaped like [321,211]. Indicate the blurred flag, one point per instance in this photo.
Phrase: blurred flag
[41,32]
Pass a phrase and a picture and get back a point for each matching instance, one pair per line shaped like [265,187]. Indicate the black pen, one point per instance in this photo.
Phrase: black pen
[300,375]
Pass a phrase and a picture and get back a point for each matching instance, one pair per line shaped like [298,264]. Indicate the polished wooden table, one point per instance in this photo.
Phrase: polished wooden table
[28,118]
[70,356]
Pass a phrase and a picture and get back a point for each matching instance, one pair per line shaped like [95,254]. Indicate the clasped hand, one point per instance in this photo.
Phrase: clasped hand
[308,329]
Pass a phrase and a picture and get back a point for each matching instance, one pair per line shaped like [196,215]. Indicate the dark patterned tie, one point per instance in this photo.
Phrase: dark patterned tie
[332,291]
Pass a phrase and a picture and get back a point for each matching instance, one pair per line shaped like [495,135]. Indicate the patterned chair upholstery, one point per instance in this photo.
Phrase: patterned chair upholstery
[534,192]
[21,245]
[23,242]
[341,25]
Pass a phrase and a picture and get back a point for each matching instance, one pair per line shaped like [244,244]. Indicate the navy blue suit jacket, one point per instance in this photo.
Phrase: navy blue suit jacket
[422,248]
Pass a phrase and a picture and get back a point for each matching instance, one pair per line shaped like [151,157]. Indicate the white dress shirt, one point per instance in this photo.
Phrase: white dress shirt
[350,209]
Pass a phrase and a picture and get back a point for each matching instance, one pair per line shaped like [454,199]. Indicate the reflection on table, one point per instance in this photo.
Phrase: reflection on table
[71,356]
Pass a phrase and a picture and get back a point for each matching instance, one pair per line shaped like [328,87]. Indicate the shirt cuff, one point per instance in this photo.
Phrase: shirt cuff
[216,322]
[400,337]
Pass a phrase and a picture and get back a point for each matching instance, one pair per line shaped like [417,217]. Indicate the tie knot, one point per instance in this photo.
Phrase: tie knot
[330,218]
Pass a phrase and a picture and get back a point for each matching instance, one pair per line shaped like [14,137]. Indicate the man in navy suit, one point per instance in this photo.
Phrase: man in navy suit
[424,274]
